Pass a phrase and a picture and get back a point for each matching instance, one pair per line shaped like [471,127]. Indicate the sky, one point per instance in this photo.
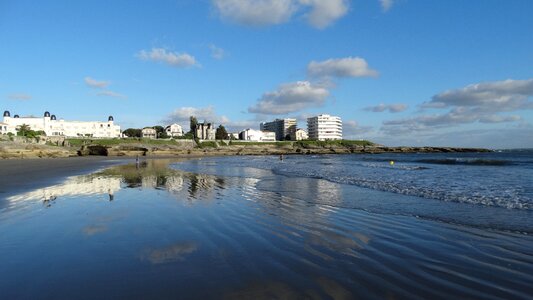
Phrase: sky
[398,72]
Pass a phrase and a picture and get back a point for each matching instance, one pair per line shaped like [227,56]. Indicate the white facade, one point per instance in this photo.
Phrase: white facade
[285,129]
[301,134]
[174,130]
[205,131]
[257,135]
[149,133]
[53,127]
[5,129]
[324,127]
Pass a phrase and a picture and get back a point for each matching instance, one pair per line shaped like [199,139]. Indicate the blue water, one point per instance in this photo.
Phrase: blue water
[479,189]
[310,227]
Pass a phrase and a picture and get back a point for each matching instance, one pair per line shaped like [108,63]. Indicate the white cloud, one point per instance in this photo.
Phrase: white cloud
[386,5]
[108,93]
[290,97]
[482,102]
[174,59]
[393,108]
[341,67]
[216,52]
[506,95]
[255,12]
[100,84]
[208,114]
[319,13]
[19,97]
[325,12]
[504,138]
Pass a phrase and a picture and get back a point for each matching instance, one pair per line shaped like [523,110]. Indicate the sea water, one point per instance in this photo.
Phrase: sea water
[325,227]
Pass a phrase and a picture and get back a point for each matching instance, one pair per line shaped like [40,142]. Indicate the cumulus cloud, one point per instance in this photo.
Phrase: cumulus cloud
[99,84]
[341,67]
[108,93]
[393,108]
[386,5]
[255,12]
[216,52]
[506,95]
[19,97]
[290,97]
[482,102]
[319,13]
[174,59]
[325,12]
[182,114]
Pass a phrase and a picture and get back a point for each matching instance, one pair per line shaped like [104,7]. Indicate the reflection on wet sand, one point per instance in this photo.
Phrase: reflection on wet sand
[169,254]
[94,229]
[73,186]
[149,174]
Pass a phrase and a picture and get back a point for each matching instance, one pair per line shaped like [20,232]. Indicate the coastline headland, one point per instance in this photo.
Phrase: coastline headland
[157,148]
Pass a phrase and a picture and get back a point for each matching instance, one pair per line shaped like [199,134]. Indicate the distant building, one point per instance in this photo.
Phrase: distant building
[257,135]
[53,127]
[174,130]
[149,133]
[301,134]
[234,136]
[205,131]
[324,127]
[285,129]
[4,130]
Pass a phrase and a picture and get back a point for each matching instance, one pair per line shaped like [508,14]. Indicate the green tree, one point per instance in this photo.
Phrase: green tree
[133,132]
[193,123]
[221,133]
[160,132]
[23,130]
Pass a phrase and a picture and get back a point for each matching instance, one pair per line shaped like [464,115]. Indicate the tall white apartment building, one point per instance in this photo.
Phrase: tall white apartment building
[53,127]
[285,129]
[324,127]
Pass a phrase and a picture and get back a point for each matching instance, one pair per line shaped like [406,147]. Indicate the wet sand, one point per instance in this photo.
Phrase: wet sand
[22,174]
[150,231]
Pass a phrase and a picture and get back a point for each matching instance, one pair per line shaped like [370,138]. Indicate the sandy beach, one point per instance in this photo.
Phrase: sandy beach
[260,228]
[21,174]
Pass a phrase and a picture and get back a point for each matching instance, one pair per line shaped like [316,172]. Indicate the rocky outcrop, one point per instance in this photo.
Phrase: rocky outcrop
[255,149]
[189,148]
[23,150]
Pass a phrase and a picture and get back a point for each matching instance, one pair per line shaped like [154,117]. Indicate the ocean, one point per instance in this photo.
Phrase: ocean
[400,226]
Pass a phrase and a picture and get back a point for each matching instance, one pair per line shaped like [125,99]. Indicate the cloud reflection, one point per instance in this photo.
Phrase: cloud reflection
[172,253]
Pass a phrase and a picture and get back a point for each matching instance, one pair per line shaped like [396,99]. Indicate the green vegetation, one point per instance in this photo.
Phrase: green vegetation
[117,141]
[221,133]
[207,144]
[345,143]
[25,130]
[133,132]
[242,143]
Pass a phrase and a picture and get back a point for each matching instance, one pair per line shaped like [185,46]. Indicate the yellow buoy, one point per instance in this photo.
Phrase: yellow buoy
[391,162]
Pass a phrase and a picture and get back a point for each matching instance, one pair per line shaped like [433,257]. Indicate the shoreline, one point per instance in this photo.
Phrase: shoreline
[11,150]
[23,174]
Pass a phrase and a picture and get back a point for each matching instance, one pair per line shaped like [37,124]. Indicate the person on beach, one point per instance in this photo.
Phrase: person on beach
[137,161]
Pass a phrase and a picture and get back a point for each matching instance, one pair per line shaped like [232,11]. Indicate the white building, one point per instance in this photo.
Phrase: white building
[205,131]
[324,127]
[285,129]
[53,127]
[174,130]
[257,135]
[301,134]
[149,133]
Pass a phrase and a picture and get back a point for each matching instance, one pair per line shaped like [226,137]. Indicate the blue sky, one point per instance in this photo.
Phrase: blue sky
[398,72]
